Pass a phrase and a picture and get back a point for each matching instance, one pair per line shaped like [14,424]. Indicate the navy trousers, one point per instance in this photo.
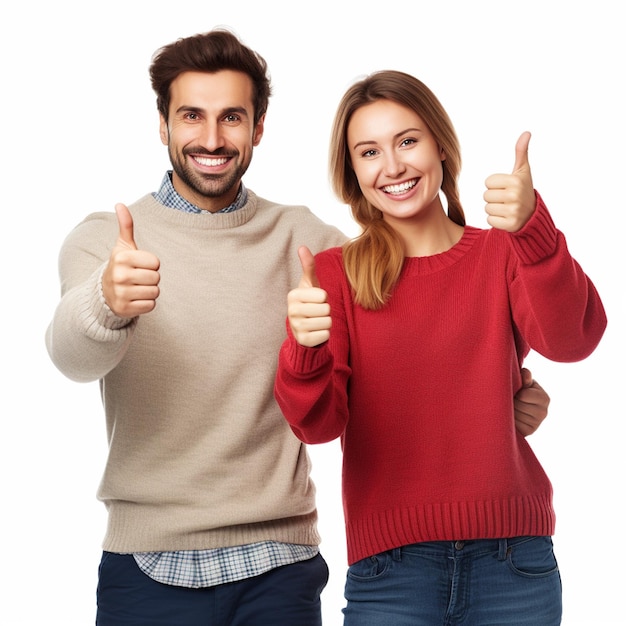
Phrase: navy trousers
[286,595]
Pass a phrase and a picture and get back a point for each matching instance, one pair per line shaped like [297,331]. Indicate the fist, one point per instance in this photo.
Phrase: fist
[130,282]
[510,198]
[307,309]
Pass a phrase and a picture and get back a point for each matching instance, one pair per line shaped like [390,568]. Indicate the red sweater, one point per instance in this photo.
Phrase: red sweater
[421,391]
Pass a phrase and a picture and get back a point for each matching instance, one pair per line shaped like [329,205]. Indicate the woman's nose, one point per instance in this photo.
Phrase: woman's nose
[393,166]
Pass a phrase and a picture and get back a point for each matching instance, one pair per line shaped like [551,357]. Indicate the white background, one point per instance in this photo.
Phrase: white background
[80,132]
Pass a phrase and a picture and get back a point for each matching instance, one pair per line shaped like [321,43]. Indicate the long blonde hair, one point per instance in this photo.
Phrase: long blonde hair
[373,260]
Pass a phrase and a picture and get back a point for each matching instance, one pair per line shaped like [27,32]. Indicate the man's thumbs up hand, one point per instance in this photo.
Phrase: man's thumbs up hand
[130,282]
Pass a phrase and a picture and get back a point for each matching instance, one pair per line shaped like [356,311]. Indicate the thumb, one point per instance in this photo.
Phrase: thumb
[125,221]
[527,377]
[521,153]
[307,260]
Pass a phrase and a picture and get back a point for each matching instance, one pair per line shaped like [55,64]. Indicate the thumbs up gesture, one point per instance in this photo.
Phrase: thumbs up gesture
[510,198]
[130,282]
[307,309]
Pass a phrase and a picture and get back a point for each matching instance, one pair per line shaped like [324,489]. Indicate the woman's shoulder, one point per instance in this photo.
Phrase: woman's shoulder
[330,257]
[329,263]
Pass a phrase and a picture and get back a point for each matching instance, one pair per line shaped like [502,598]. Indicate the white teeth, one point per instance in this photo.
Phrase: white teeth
[400,188]
[211,162]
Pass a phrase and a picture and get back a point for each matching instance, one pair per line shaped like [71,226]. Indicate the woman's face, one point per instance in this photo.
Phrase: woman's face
[396,160]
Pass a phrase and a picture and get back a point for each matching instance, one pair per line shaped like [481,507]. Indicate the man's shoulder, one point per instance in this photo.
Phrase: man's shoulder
[297,210]
[299,216]
[95,224]
[102,224]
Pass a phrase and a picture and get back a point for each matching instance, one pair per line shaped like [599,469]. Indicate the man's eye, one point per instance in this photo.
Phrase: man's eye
[192,116]
[232,118]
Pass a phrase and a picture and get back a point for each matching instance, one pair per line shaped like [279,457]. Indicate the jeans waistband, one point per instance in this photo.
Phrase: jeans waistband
[460,547]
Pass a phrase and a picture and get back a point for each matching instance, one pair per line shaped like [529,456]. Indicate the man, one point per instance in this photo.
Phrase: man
[211,510]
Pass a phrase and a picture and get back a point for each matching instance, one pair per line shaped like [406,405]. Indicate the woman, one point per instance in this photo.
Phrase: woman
[407,343]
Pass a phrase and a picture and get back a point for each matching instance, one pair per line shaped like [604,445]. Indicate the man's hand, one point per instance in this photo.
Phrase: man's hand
[307,309]
[530,405]
[130,282]
[511,198]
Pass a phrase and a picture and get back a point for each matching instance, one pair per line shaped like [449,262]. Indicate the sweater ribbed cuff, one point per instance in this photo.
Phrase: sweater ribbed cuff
[95,315]
[537,239]
[305,361]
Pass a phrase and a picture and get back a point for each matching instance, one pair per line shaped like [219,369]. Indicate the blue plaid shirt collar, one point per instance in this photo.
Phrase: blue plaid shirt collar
[168,196]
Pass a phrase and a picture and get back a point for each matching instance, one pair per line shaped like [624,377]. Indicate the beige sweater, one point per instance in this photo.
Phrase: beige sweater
[199,453]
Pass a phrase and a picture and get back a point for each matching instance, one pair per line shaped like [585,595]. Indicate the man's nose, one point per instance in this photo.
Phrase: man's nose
[212,137]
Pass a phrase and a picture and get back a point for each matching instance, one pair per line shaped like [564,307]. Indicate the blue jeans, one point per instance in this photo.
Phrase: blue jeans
[514,582]
[286,595]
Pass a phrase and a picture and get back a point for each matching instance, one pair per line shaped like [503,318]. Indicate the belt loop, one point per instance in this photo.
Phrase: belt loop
[396,554]
[502,549]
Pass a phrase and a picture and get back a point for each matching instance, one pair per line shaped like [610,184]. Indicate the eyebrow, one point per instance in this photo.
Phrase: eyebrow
[368,142]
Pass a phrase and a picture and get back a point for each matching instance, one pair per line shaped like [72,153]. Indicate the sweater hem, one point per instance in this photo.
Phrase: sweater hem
[126,533]
[497,519]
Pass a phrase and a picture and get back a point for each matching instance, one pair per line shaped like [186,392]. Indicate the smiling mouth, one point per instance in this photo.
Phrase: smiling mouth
[400,188]
[210,161]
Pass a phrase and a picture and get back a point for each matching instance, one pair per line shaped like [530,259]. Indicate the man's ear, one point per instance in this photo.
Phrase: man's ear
[258,131]
[163,130]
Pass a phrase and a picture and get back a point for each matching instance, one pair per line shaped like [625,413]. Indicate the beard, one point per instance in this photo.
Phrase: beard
[207,185]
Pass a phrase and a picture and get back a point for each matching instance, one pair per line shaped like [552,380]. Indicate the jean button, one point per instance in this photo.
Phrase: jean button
[459,545]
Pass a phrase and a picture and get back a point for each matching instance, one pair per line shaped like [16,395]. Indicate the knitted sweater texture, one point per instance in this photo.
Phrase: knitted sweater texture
[199,454]
[421,391]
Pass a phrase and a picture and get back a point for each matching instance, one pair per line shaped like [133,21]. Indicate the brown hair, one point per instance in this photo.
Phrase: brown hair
[216,50]
[373,261]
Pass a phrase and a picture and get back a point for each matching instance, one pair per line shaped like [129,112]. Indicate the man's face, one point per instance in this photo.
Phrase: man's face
[210,135]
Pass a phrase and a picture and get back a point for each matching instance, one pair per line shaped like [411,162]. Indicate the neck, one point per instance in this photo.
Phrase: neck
[435,235]
[213,204]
